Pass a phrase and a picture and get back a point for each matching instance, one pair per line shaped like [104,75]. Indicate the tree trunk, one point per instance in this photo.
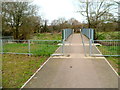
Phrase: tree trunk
[88,18]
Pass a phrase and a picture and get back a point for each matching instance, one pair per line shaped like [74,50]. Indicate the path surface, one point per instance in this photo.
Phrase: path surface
[74,70]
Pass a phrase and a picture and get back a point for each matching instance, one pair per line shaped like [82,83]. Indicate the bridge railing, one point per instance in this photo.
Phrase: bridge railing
[66,33]
[88,32]
[99,47]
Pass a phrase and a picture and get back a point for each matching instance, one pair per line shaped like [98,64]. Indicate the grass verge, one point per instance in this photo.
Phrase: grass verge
[109,50]
[17,69]
[39,48]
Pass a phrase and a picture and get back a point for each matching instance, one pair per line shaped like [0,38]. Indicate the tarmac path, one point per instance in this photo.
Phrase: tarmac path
[74,70]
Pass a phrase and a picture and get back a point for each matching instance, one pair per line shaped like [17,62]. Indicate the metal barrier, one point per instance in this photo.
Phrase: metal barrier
[35,47]
[7,37]
[99,47]
[104,47]
[83,43]
[88,32]
[66,33]
[30,47]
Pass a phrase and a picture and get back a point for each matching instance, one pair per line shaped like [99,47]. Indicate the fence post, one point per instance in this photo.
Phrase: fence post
[83,42]
[89,34]
[92,34]
[1,46]
[63,38]
[29,47]
[90,47]
[63,44]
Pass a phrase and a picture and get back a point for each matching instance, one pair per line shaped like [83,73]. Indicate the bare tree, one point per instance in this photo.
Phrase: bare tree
[59,24]
[93,10]
[97,13]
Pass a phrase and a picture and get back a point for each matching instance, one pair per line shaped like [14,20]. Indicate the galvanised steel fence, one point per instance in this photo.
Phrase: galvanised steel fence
[104,47]
[88,32]
[99,47]
[66,33]
[35,47]
[30,47]
[7,37]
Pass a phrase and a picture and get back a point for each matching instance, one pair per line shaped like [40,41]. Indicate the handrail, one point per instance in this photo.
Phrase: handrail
[83,42]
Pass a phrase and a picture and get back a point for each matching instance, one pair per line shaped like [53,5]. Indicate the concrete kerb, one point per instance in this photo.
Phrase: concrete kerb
[37,70]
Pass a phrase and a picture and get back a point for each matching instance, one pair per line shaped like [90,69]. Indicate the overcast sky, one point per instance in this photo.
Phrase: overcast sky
[54,9]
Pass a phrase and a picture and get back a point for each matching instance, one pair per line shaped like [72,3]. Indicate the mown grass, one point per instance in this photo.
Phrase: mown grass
[109,50]
[39,48]
[15,47]
[47,36]
[17,69]
[45,50]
